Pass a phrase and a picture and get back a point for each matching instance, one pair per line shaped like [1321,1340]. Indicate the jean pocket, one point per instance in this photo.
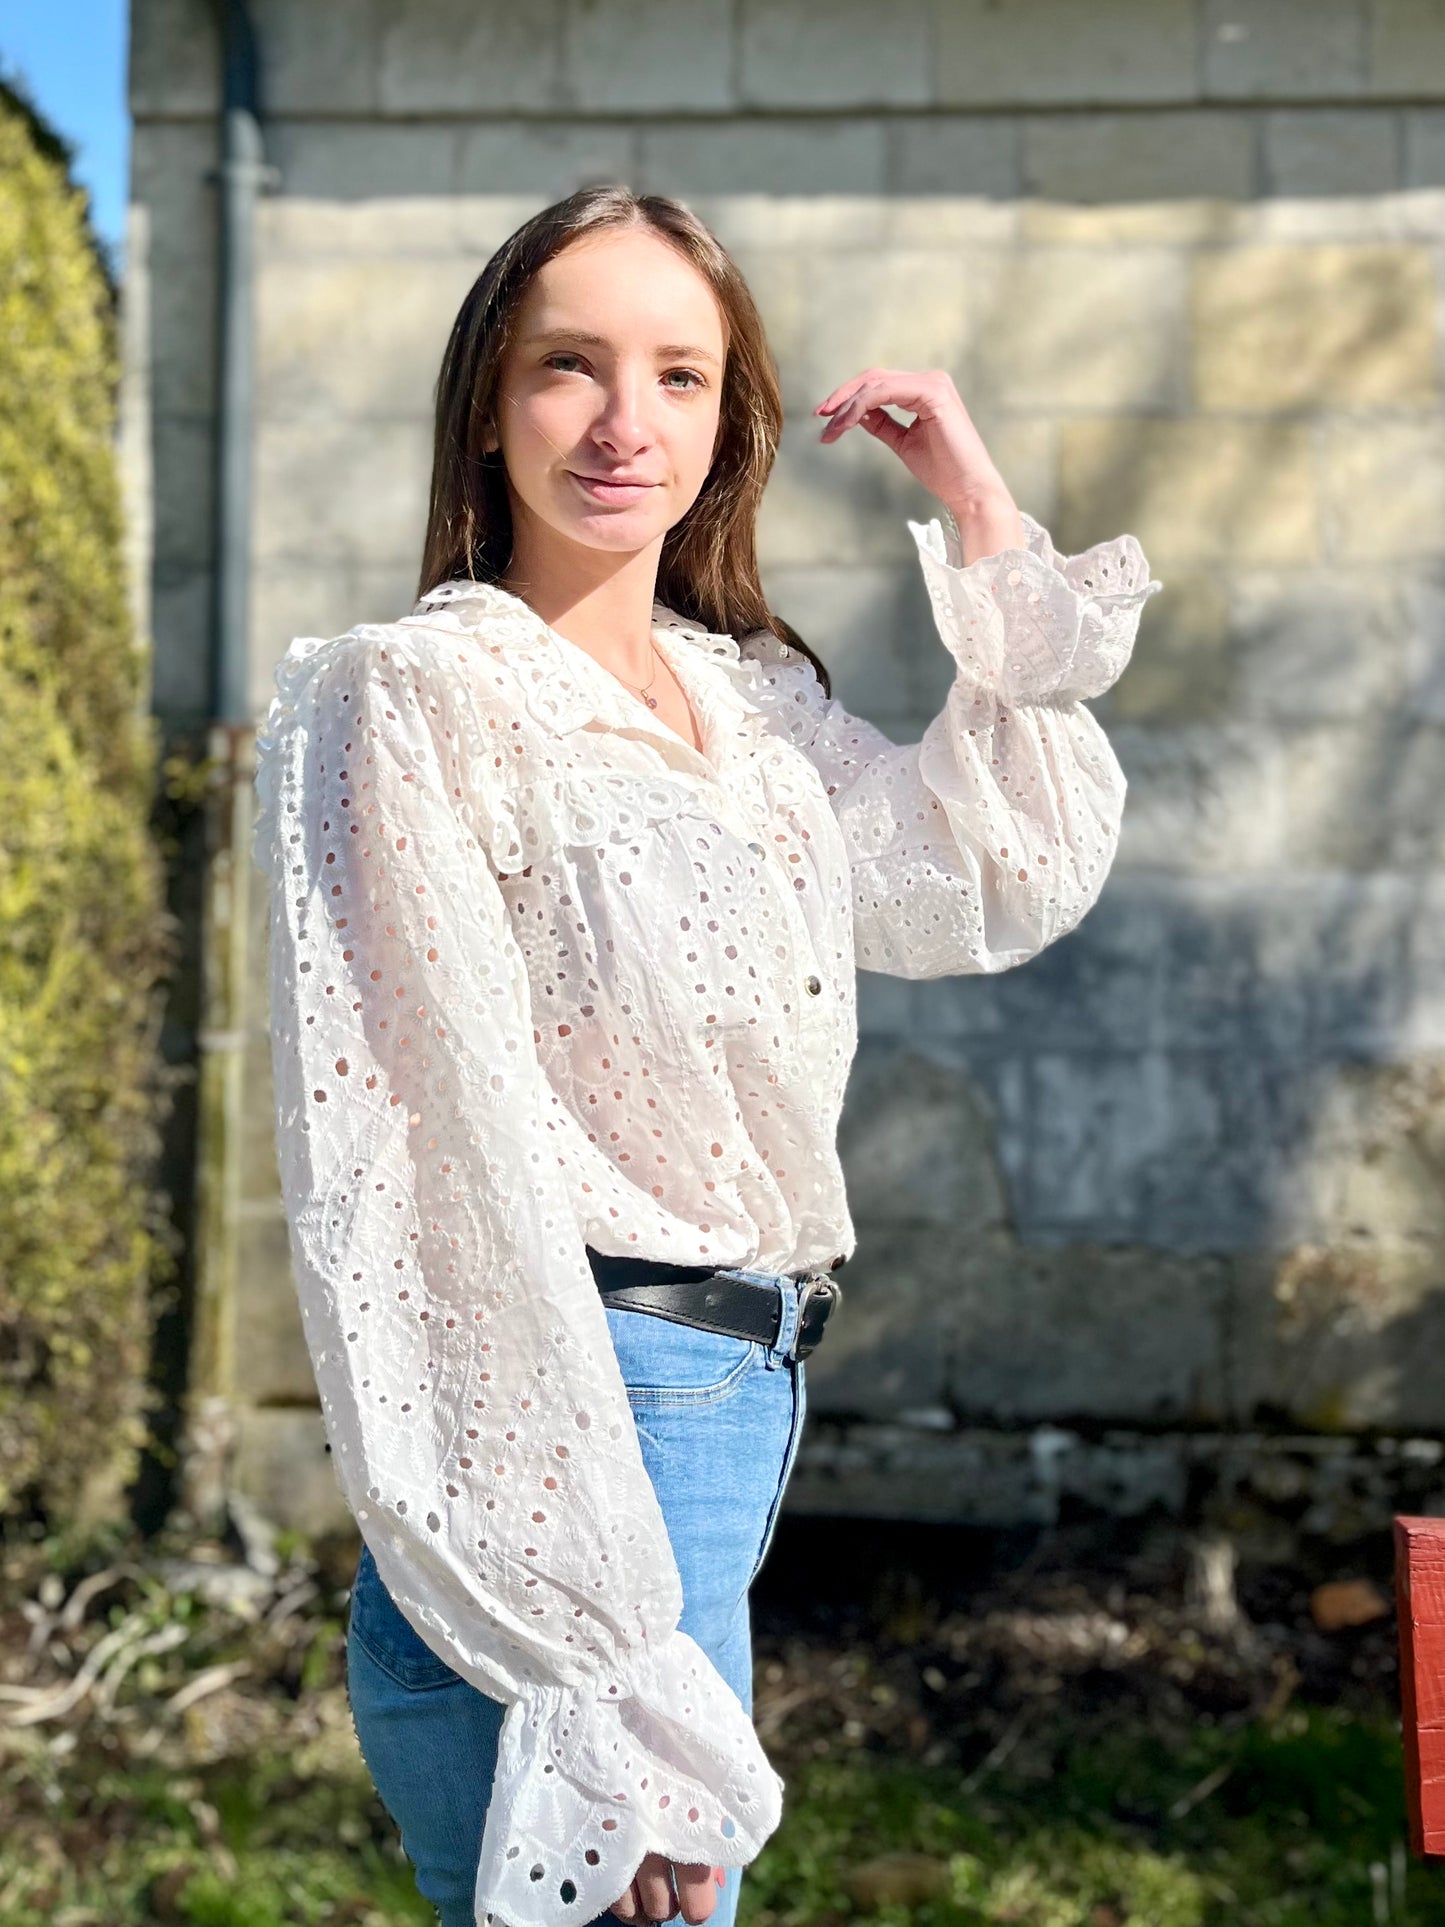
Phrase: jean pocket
[387,1636]
[664,1362]
[797,1375]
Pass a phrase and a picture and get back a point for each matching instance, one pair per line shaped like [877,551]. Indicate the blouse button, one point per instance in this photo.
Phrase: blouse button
[812,986]
[757,849]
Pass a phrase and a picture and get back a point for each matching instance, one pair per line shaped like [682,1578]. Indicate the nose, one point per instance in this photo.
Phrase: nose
[623,426]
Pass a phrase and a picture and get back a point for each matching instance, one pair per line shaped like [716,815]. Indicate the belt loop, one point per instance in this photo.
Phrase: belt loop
[780,1352]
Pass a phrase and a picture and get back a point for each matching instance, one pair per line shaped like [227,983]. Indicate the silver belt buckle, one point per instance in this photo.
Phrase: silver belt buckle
[821,1290]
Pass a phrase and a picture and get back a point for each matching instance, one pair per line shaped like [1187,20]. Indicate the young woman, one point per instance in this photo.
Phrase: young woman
[571,869]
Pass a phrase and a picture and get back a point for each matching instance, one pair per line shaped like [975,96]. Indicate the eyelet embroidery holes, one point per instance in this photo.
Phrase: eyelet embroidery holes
[454,880]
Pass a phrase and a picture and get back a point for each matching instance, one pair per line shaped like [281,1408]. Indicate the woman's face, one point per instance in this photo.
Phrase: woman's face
[609,394]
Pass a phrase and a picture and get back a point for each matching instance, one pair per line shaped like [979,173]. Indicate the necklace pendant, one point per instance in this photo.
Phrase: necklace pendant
[651,701]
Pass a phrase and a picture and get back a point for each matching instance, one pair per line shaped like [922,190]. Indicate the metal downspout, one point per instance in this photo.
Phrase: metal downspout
[242,176]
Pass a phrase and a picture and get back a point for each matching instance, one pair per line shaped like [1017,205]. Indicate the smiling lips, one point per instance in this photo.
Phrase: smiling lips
[599,488]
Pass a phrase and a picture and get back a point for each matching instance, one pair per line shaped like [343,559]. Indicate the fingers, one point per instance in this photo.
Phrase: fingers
[697,1890]
[628,1907]
[866,394]
[651,1896]
[662,1888]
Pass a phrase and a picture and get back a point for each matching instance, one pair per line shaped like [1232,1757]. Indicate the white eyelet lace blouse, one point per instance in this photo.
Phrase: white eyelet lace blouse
[544,976]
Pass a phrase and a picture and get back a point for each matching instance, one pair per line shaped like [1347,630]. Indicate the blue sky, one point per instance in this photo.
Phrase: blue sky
[69,57]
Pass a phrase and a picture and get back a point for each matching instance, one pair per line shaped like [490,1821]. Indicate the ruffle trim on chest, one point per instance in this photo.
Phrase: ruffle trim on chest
[563,687]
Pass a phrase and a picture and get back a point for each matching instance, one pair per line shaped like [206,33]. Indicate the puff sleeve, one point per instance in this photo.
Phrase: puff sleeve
[972,849]
[480,1427]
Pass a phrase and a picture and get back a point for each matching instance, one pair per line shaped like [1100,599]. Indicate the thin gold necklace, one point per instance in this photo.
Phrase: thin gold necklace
[651,701]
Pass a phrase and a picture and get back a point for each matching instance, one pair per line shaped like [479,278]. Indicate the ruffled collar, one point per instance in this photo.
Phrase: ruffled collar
[567,688]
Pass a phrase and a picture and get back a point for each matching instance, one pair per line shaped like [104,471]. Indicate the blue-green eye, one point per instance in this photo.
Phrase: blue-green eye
[694,379]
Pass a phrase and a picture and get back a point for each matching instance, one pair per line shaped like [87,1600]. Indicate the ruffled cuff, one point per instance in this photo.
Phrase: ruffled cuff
[1030,625]
[659,1757]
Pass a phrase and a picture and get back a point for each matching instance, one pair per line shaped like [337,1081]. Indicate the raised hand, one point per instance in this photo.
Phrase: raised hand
[940,446]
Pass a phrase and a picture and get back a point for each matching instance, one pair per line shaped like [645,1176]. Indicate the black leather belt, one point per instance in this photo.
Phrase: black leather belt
[736,1307]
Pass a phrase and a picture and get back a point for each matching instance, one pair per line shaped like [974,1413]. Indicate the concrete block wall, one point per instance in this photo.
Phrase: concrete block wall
[1183,1173]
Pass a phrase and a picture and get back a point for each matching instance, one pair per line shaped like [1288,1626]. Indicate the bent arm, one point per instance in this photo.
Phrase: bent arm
[974,848]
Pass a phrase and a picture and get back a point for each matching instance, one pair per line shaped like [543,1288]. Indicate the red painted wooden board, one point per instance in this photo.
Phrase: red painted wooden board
[1420,1597]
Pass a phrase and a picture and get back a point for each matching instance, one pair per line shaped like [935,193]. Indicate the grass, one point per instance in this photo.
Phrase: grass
[1058,1749]
[1300,1826]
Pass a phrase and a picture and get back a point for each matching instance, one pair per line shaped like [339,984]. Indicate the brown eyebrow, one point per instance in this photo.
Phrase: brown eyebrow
[671,350]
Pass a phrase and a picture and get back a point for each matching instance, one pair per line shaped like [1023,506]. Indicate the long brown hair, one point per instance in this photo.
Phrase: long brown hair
[708,570]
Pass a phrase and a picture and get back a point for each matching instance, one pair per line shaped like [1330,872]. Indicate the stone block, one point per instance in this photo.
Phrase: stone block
[768,157]
[885,1350]
[1304,218]
[1231,980]
[183,462]
[1183,666]
[1357,1333]
[880,1471]
[354,338]
[1383,484]
[1365,795]
[1281,328]
[870,625]
[364,160]
[1324,647]
[1100,983]
[1024,449]
[1179,221]
[283,1466]
[1192,491]
[169,165]
[1265,51]
[1407,48]
[847,498]
[621,56]
[1082,1333]
[795,54]
[899,308]
[270,1363]
[316,598]
[1029,51]
[916,1140]
[1138,157]
[1203,798]
[1425,147]
[398,227]
[471,57]
[778,280]
[181,351]
[173,60]
[257,1176]
[888,1007]
[1424,601]
[181,627]
[924,219]
[1298,968]
[1069,329]
[320,60]
[947,155]
[340,492]
[1190,1152]
[1422,1017]
[543,160]
[1331,150]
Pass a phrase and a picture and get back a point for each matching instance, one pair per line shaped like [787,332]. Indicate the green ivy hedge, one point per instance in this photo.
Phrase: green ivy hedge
[84,936]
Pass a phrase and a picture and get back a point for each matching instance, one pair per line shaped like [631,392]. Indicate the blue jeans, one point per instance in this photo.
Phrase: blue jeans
[718,1420]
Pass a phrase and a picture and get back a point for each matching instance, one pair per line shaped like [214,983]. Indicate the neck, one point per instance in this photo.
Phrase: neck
[597,599]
